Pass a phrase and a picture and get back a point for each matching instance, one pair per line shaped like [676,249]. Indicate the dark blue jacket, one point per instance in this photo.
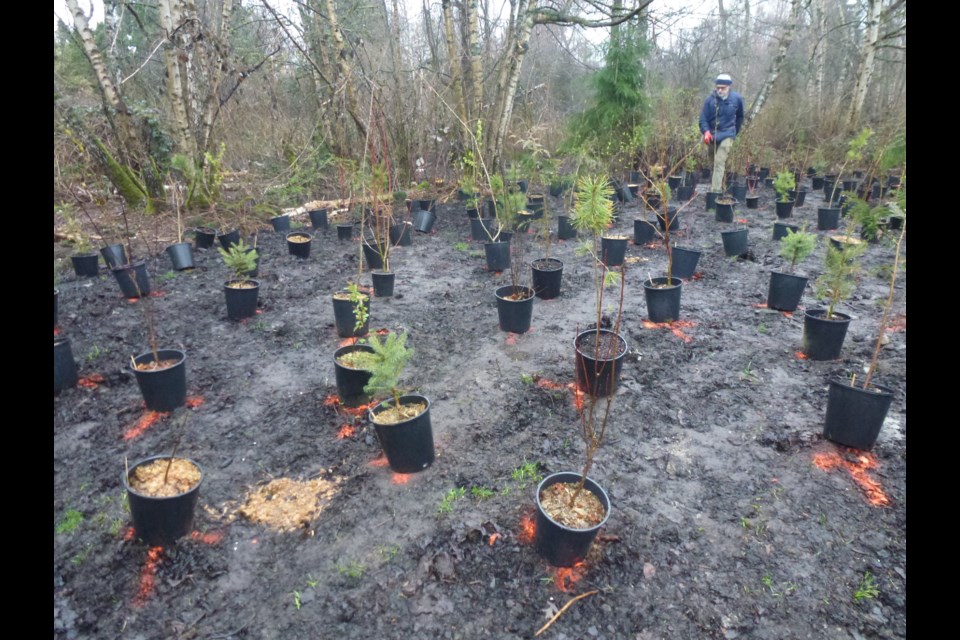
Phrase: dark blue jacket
[725,120]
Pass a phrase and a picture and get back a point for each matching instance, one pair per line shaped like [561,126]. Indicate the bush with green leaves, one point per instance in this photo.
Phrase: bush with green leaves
[241,259]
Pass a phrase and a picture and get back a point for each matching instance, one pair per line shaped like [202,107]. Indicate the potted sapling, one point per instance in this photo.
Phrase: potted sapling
[856,410]
[786,289]
[824,329]
[783,184]
[402,421]
[515,300]
[351,310]
[181,253]
[161,373]
[571,506]
[241,291]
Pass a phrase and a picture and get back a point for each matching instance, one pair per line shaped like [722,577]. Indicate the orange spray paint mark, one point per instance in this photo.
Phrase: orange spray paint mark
[527,529]
[128,534]
[346,431]
[675,327]
[493,538]
[401,478]
[857,463]
[565,577]
[800,355]
[195,401]
[379,462]
[211,537]
[146,421]
[148,576]
[91,381]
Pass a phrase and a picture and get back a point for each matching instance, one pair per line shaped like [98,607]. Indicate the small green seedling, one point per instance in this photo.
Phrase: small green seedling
[169,275]
[71,520]
[240,259]
[526,378]
[446,505]
[296,600]
[796,246]
[352,569]
[481,493]
[783,184]
[867,589]
[527,473]
[461,246]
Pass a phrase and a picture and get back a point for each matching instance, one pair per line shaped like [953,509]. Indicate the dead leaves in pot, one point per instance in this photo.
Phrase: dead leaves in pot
[285,504]
[587,511]
[396,415]
[148,479]
[155,365]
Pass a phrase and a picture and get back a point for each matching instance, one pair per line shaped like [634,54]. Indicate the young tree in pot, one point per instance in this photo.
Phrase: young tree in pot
[351,310]
[784,183]
[241,291]
[855,413]
[786,289]
[572,507]
[402,422]
[825,329]
[161,373]
[514,301]
[181,253]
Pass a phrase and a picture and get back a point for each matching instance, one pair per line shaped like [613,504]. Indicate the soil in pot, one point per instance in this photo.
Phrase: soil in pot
[162,494]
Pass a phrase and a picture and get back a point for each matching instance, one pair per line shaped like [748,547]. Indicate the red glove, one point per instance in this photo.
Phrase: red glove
[707,137]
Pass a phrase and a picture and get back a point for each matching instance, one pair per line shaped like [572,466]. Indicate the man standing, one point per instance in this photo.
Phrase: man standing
[720,122]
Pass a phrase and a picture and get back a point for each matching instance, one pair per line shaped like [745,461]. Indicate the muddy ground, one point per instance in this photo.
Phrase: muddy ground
[722,526]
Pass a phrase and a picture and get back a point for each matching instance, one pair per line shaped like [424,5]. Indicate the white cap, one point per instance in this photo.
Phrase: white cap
[724,78]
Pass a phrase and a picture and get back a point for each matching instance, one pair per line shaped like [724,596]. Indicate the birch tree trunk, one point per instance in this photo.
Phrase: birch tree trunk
[786,38]
[819,55]
[344,69]
[475,105]
[171,18]
[868,56]
[115,109]
[453,54]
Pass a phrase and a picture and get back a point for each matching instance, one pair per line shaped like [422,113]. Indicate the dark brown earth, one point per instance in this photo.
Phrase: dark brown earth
[722,526]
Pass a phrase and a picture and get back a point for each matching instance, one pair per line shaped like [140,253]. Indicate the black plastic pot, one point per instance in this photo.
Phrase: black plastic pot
[203,238]
[133,279]
[723,211]
[497,255]
[87,265]
[816,183]
[799,197]
[735,242]
[643,232]
[408,445]
[614,250]
[241,302]
[764,173]
[344,232]
[784,209]
[383,283]
[423,221]
[673,215]
[684,262]
[473,212]
[523,184]
[753,202]
[345,320]
[785,292]
[427,204]
[674,182]
[400,233]
[598,372]
[514,315]
[372,255]
[535,205]
[482,229]
[685,192]
[560,545]
[823,338]
[565,230]
[280,223]
[522,221]
[780,230]
[712,199]
[318,219]
[64,366]
[301,248]
[547,276]
[855,415]
[828,218]
[350,382]
[163,389]
[114,255]
[663,298]
[738,192]
[229,238]
[181,255]
[161,521]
